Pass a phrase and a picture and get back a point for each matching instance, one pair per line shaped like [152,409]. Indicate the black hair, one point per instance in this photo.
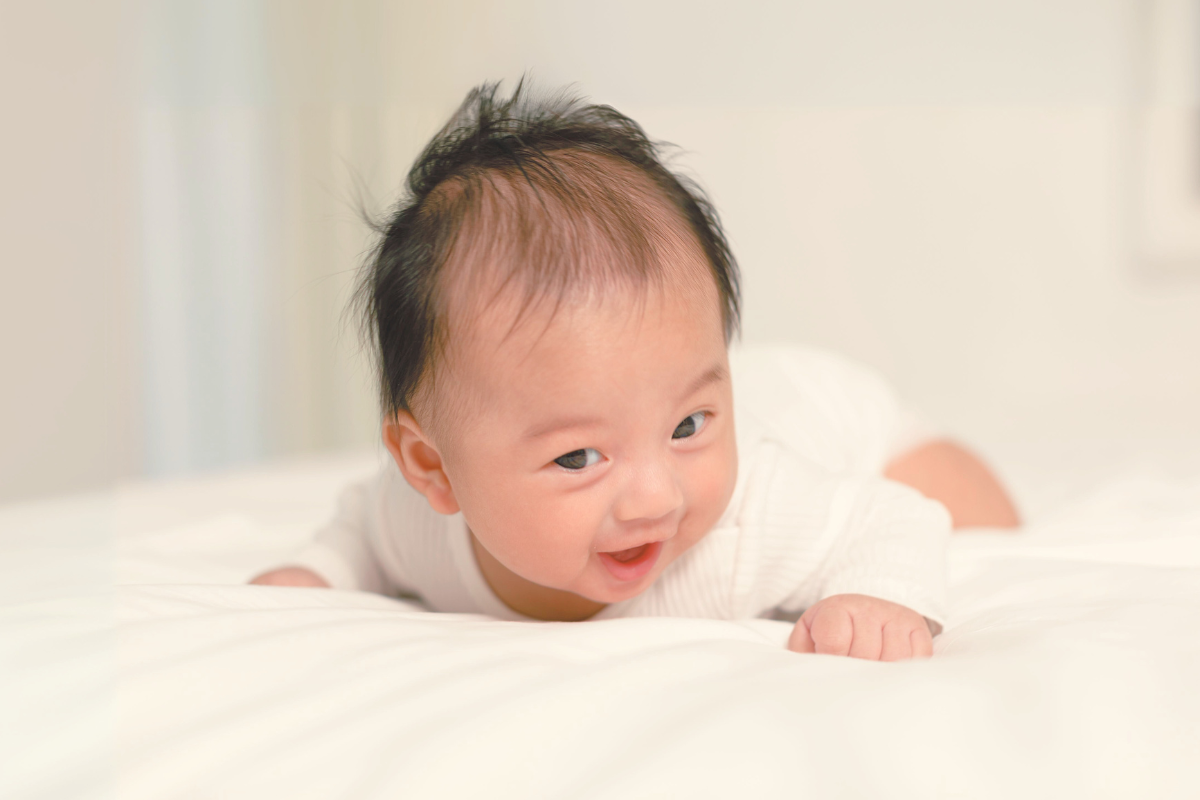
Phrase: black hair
[549,176]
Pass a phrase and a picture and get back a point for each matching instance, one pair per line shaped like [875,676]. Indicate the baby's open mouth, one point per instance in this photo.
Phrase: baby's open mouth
[633,563]
[625,556]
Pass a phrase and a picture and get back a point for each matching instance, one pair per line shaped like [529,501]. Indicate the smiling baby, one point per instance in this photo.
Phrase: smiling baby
[551,309]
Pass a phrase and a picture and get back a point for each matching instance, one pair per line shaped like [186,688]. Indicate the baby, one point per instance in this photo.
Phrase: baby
[551,309]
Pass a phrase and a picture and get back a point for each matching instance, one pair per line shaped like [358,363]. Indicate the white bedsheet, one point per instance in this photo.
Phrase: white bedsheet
[137,666]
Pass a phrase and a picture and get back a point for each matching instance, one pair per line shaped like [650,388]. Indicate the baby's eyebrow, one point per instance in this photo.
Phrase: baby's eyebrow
[557,424]
[715,374]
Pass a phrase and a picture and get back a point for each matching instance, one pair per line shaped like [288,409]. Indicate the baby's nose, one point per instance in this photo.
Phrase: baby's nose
[651,492]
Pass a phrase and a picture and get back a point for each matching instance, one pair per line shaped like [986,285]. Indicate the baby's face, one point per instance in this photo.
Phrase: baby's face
[599,447]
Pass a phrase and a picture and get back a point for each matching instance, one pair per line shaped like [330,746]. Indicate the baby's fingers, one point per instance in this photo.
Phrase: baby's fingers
[800,641]
[922,642]
[897,642]
[868,640]
[832,631]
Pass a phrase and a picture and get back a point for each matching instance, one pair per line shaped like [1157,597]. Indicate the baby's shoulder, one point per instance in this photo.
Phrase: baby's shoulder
[822,406]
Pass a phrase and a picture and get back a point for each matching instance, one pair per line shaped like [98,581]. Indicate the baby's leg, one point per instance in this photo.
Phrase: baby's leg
[943,471]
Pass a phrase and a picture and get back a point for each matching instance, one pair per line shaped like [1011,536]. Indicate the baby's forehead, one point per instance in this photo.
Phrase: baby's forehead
[575,354]
[517,351]
[522,320]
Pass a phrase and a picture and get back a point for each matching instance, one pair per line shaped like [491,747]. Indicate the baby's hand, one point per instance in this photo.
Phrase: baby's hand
[862,627]
[291,576]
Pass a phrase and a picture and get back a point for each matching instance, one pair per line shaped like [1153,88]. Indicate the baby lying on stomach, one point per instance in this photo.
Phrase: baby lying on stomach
[552,309]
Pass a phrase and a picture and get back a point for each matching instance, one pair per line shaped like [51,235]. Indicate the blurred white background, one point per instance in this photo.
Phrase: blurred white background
[996,203]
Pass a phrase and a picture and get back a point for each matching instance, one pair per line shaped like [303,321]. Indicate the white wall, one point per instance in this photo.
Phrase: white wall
[68,352]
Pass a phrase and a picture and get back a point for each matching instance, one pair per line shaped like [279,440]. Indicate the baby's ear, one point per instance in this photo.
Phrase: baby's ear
[419,461]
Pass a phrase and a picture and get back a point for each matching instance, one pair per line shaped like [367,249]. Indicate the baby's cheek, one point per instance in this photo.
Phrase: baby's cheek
[713,482]
[551,539]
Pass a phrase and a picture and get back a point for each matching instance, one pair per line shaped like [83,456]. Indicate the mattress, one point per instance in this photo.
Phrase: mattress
[138,664]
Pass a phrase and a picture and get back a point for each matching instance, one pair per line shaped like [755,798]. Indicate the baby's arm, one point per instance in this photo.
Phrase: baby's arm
[341,555]
[877,589]
[290,576]
[859,626]
[943,471]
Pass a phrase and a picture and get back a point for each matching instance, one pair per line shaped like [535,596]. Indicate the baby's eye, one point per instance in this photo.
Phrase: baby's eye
[690,426]
[578,459]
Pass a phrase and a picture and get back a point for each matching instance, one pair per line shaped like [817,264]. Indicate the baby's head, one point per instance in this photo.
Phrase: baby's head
[551,309]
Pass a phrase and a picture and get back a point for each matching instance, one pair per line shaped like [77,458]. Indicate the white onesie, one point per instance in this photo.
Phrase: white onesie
[810,515]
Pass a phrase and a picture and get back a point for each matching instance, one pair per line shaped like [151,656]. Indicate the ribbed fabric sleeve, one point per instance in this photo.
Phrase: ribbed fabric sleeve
[381,532]
[862,535]
[341,551]
[893,547]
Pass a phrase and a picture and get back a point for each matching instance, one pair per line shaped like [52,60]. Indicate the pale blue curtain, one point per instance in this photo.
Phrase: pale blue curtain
[208,231]
[264,126]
